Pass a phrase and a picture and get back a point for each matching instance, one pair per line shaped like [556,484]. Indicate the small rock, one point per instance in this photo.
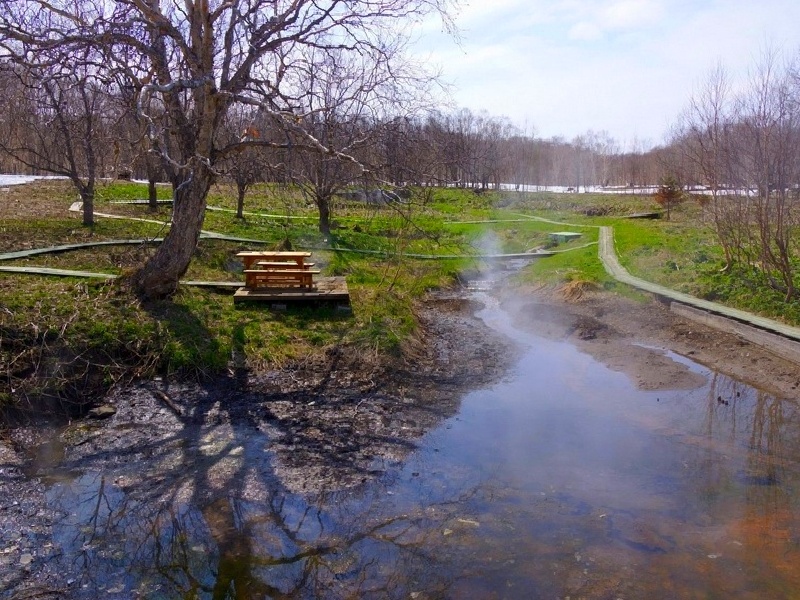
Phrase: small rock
[25,559]
[103,412]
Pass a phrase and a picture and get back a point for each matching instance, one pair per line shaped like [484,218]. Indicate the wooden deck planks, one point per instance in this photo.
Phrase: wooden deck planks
[326,289]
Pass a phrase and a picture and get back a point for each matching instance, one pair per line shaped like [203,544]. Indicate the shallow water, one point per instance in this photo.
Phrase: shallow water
[563,480]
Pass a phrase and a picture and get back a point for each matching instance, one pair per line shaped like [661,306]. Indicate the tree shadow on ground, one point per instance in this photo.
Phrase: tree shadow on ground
[192,504]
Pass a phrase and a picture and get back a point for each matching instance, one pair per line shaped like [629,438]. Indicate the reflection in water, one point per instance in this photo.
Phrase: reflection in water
[562,480]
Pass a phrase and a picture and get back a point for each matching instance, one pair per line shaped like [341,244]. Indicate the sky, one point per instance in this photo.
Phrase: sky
[627,67]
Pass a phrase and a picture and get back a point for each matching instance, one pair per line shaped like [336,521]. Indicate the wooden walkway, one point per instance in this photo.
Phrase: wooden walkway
[777,337]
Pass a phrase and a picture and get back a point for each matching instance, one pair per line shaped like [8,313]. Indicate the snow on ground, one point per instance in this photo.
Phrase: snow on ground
[8,180]
[563,189]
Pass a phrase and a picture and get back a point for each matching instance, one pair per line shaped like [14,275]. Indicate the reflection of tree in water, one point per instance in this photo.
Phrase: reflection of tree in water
[748,480]
[254,551]
[188,532]
[771,517]
[741,454]
[762,429]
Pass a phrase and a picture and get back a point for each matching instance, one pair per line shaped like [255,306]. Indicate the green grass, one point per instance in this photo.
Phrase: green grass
[745,288]
[68,337]
[72,337]
[126,191]
[578,263]
[671,253]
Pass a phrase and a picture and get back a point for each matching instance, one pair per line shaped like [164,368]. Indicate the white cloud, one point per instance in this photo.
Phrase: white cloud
[585,31]
[630,14]
[592,21]
[627,66]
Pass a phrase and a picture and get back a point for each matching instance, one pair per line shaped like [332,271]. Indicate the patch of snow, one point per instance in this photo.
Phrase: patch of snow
[7,180]
[146,182]
[565,189]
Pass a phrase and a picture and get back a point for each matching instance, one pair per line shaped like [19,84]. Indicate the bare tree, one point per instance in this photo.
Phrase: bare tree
[133,153]
[337,112]
[191,61]
[58,123]
[352,103]
[704,136]
[746,149]
[770,132]
[251,164]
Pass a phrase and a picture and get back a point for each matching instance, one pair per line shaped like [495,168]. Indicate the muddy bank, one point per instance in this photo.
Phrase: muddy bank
[639,339]
[328,418]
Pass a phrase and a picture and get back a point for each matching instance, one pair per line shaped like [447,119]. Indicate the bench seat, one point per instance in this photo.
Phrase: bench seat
[283,271]
[258,278]
[282,264]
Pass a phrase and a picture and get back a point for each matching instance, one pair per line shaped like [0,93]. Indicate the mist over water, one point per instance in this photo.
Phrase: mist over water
[489,270]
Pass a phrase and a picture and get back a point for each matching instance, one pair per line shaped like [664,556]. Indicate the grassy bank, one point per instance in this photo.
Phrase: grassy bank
[70,339]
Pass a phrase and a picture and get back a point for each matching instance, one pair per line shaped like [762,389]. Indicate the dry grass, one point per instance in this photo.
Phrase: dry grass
[44,199]
[574,291]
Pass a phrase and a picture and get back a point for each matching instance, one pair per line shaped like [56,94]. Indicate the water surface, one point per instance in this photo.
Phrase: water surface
[562,480]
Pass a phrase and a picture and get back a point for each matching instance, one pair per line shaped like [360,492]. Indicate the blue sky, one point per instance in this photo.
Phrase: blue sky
[624,66]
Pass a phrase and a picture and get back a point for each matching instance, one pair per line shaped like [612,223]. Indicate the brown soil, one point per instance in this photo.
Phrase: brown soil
[637,337]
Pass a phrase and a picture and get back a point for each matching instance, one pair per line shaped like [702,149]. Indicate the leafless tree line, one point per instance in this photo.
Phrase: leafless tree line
[743,144]
[387,132]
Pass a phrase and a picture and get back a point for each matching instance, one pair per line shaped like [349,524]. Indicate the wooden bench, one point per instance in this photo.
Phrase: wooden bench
[268,264]
[277,270]
[260,278]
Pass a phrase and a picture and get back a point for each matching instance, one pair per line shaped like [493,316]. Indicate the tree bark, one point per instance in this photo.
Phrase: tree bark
[159,277]
[152,195]
[87,197]
[324,206]
[240,192]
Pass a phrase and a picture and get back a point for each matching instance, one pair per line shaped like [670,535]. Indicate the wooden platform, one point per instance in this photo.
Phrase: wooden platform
[561,237]
[644,215]
[326,289]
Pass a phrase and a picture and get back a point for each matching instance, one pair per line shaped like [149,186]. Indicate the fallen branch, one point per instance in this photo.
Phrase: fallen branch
[168,401]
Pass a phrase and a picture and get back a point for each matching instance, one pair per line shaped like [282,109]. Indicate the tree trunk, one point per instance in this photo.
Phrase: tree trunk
[87,197]
[324,206]
[241,190]
[152,195]
[159,276]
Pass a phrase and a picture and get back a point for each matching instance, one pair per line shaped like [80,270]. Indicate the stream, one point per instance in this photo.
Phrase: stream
[560,481]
